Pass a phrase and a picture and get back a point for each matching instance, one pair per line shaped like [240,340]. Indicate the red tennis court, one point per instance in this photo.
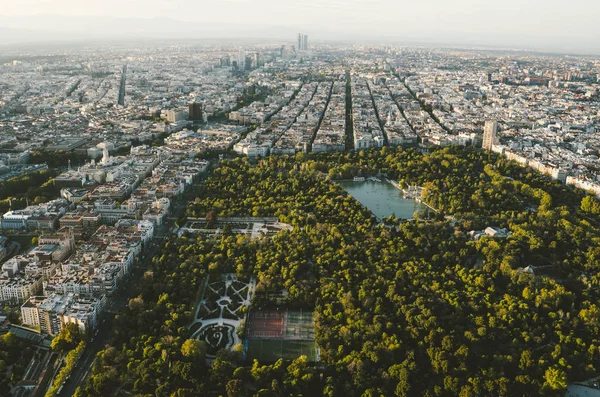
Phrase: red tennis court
[265,325]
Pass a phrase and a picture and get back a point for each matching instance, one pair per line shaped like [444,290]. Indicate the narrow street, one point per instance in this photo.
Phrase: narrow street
[314,135]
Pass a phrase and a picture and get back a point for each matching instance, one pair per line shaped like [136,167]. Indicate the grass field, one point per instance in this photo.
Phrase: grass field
[272,350]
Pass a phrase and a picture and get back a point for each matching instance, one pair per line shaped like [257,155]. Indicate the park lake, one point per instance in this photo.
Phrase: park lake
[383,199]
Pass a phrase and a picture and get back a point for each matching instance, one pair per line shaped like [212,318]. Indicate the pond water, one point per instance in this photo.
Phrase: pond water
[383,199]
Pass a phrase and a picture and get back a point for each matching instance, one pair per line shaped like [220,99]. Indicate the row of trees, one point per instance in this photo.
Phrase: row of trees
[403,308]
[35,188]
[58,158]
[71,360]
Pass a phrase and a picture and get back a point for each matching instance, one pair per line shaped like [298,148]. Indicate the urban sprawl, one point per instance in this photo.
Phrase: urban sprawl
[146,120]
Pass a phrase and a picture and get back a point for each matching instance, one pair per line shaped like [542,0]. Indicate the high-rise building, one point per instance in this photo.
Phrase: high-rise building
[241,59]
[302,42]
[256,61]
[489,134]
[195,111]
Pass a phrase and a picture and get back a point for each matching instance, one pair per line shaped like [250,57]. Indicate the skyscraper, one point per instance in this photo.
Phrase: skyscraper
[195,111]
[489,134]
[256,61]
[241,59]
[302,42]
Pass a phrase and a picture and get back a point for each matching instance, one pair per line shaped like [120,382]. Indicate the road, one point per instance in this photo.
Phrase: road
[84,365]
[120,299]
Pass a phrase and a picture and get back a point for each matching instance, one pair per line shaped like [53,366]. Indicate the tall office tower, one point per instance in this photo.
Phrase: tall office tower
[305,42]
[299,42]
[241,59]
[195,111]
[489,77]
[489,134]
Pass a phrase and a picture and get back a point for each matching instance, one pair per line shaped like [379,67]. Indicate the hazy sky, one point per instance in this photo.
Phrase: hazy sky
[542,23]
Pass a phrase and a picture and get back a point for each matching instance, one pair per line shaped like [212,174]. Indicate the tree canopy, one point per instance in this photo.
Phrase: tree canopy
[67,339]
[405,308]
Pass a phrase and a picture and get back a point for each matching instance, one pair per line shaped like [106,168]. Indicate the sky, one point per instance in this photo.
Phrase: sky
[542,24]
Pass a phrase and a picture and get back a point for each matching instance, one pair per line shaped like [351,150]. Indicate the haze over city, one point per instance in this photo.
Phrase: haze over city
[260,198]
[550,25]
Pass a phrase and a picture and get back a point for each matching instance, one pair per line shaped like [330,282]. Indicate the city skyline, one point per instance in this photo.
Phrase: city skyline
[554,27]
